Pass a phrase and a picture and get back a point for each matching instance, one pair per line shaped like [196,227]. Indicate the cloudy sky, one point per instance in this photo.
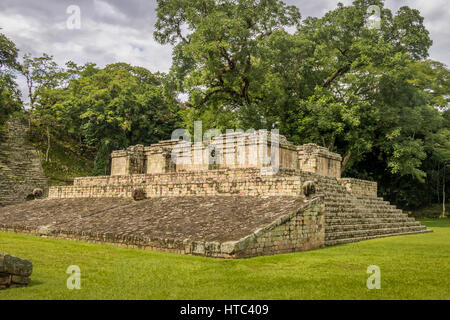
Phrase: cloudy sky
[115,30]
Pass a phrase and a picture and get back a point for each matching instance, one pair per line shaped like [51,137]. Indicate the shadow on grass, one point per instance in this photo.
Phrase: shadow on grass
[34,283]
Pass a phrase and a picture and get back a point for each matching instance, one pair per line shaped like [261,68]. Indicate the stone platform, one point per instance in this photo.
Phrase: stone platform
[250,216]
[216,209]
[226,227]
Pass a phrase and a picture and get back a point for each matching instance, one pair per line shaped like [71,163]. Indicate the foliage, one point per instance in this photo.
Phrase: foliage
[431,212]
[109,108]
[9,93]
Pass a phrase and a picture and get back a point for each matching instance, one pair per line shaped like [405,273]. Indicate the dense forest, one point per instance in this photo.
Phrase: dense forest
[370,94]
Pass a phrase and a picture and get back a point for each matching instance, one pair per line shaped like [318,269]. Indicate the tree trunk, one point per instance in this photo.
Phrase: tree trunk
[345,160]
[443,195]
[48,144]
[437,184]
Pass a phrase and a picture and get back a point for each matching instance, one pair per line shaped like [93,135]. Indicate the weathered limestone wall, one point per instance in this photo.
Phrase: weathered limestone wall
[119,163]
[298,231]
[228,151]
[222,182]
[313,158]
[130,161]
[14,272]
[218,175]
[360,187]
[192,185]
[20,167]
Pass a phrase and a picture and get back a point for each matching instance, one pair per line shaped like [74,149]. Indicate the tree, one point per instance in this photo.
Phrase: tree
[118,106]
[442,153]
[215,58]
[8,54]
[9,93]
[368,94]
[43,76]
[40,72]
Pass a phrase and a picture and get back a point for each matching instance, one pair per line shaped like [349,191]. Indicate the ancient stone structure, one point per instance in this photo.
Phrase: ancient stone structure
[14,272]
[228,151]
[21,172]
[249,196]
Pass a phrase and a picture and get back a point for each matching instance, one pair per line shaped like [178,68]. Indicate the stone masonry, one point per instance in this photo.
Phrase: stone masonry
[14,272]
[20,167]
[216,208]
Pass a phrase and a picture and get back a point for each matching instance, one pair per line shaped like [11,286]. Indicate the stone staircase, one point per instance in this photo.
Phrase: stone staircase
[20,167]
[351,217]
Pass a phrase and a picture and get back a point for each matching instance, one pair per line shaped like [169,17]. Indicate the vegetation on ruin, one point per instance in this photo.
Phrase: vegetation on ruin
[372,95]
[412,267]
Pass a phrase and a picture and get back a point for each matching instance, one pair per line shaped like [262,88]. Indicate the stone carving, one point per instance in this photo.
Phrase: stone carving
[309,188]
[138,194]
[38,193]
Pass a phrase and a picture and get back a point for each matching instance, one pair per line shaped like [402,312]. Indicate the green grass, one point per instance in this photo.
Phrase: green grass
[412,267]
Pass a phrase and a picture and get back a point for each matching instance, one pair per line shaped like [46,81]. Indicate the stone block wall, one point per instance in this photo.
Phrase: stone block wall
[228,151]
[14,272]
[223,182]
[360,187]
[298,231]
[264,186]
[320,160]
[119,163]
[130,161]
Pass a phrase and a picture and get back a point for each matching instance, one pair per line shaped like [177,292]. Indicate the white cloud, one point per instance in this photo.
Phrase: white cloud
[105,9]
[116,30]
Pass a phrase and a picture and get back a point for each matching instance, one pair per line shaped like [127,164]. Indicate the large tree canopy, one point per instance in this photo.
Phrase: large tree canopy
[115,107]
[367,93]
[9,93]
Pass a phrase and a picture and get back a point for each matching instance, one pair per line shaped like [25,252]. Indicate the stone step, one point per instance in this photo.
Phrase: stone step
[356,239]
[371,232]
[366,226]
[365,215]
[352,221]
[340,208]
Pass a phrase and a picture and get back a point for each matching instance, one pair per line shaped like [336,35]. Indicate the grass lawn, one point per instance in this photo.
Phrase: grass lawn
[412,267]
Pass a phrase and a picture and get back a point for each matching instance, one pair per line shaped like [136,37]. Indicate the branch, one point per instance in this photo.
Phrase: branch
[335,75]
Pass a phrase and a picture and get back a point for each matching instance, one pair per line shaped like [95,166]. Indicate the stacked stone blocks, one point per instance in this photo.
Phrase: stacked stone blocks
[14,272]
[20,167]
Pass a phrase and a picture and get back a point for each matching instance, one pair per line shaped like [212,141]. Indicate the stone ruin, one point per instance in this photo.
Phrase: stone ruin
[216,199]
[22,177]
[14,272]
